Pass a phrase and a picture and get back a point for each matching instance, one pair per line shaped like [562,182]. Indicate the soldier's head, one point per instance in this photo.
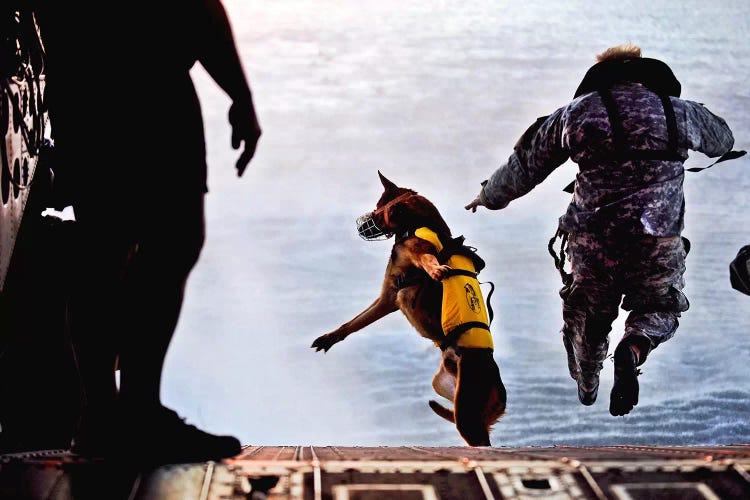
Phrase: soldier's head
[624,63]
[624,51]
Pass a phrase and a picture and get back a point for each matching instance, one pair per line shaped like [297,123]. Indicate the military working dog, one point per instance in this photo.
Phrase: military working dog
[431,278]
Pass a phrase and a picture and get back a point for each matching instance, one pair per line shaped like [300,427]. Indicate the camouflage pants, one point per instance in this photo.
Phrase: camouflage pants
[644,272]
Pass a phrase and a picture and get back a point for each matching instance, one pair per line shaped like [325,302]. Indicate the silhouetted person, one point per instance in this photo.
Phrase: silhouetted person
[130,142]
[629,133]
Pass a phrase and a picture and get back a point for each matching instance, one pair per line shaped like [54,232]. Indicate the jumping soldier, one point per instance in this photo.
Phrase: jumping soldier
[629,133]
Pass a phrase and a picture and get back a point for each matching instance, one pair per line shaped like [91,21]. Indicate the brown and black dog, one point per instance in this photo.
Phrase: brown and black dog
[468,376]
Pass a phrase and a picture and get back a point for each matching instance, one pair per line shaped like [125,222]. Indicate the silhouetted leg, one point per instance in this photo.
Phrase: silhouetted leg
[155,288]
[95,313]
[165,256]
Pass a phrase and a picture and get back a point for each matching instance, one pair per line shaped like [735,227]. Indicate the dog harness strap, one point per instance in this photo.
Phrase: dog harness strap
[490,312]
[450,249]
[406,234]
[453,337]
[459,272]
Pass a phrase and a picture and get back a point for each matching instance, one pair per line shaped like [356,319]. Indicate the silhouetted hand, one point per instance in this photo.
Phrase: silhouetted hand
[245,128]
[476,202]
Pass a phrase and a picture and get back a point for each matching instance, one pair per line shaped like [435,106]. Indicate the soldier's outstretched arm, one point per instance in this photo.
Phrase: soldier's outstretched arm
[535,156]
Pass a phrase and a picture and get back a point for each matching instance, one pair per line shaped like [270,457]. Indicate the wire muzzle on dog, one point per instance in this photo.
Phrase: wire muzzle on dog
[368,229]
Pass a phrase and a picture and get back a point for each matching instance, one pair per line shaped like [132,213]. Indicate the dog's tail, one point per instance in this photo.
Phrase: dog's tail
[443,411]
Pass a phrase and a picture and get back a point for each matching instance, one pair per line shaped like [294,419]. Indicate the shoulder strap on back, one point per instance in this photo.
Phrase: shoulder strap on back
[621,149]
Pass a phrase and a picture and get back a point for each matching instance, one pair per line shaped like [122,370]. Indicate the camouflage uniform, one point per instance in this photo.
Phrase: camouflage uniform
[647,270]
[625,218]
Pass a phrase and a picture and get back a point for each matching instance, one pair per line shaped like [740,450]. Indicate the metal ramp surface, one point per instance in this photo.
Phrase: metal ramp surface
[399,473]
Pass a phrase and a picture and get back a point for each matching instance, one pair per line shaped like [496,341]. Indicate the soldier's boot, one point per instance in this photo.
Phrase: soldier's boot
[591,358]
[624,395]
[589,361]
[588,383]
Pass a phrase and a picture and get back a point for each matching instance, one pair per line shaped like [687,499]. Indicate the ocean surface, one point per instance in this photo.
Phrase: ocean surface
[434,94]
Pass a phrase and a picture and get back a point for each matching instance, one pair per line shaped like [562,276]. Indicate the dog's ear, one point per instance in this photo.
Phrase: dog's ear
[388,185]
[480,396]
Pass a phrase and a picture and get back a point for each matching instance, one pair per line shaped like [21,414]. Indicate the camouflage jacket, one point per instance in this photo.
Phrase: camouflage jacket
[639,196]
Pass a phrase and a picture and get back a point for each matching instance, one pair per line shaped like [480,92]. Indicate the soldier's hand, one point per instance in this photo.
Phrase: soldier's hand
[245,128]
[476,202]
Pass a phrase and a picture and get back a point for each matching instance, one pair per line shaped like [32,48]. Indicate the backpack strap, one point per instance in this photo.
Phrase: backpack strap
[622,151]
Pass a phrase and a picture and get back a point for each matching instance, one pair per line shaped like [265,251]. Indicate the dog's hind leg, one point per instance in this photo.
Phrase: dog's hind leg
[381,307]
[444,383]
[480,396]
[442,411]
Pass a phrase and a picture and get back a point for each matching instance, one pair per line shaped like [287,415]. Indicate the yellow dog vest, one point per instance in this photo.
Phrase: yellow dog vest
[462,298]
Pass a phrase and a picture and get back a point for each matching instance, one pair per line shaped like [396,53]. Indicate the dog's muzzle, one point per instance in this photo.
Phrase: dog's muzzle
[369,230]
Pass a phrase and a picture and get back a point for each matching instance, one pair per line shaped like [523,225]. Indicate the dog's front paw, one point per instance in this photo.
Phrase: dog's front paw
[326,341]
[438,272]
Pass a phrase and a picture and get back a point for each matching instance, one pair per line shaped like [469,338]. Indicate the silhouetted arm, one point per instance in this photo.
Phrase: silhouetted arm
[219,57]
